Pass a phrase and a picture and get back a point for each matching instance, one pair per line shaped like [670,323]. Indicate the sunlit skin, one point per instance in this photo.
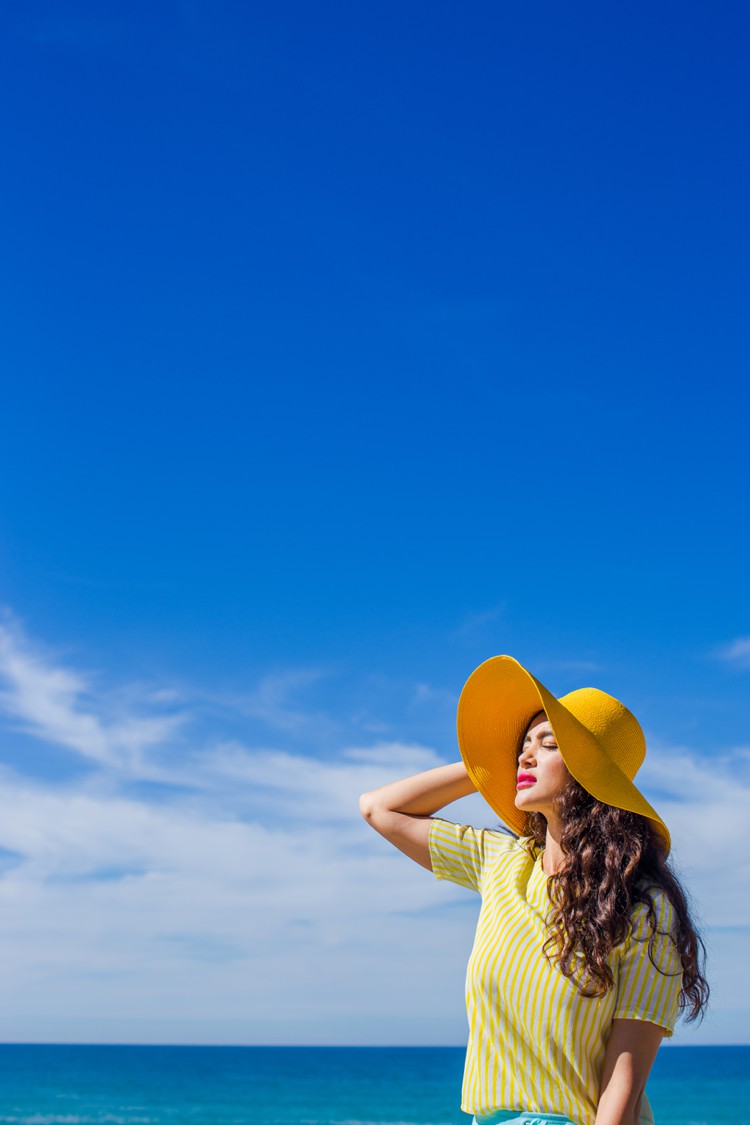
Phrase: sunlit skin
[541,758]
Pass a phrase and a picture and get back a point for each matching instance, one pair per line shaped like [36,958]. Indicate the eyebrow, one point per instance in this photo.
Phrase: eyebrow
[547,734]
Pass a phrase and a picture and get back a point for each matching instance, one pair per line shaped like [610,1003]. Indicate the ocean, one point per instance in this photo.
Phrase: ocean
[80,1085]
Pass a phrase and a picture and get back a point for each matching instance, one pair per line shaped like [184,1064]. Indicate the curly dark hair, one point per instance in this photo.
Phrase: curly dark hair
[613,860]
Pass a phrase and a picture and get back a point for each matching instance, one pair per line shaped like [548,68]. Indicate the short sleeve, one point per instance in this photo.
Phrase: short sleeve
[460,853]
[648,991]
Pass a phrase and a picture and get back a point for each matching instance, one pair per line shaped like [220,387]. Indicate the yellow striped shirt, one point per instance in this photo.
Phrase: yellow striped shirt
[534,1042]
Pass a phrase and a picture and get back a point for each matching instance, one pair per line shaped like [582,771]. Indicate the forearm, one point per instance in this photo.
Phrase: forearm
[631,1050]
[618,1110]
[615,1115]
[422,794]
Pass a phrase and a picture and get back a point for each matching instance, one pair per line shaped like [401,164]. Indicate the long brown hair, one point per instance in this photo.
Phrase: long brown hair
[613,860]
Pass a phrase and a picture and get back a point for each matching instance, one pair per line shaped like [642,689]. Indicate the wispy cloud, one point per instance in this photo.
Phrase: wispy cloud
[58,705]
[736,652]
[295,787]
[273,701]
[428,695]
[246,882]
[477,621]
[572,665]
[704,803]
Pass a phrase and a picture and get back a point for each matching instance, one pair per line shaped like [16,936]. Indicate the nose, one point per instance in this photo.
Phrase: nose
[527,755]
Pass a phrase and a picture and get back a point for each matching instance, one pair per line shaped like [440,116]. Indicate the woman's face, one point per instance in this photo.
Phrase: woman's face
[542,773]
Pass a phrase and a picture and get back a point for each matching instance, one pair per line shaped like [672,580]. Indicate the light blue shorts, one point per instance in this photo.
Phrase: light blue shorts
[522,1117]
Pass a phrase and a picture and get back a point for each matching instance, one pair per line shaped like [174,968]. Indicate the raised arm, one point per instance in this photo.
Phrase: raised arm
[401,811]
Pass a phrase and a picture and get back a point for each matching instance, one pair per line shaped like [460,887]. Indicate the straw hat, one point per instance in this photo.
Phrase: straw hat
[601,743]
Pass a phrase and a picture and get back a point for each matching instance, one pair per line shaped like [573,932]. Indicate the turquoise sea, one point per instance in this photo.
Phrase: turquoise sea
[78,1085]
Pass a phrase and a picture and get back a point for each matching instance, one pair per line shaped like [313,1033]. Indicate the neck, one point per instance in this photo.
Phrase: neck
[553,853]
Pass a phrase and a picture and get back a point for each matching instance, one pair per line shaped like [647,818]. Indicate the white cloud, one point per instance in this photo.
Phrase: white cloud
[294,786]
[704,804]
[271,702]
[186,912]
[59,706]
[244,899]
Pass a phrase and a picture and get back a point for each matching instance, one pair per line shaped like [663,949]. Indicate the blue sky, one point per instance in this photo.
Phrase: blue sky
[345,347]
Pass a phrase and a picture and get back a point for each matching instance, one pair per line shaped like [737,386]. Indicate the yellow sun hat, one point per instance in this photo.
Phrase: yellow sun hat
[601,743]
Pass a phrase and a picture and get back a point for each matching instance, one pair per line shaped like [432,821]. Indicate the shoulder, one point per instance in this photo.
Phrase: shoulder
[491,843]
[654,936]
[499,835]
[656,915]
[502,849]
[501,841]
[463,854]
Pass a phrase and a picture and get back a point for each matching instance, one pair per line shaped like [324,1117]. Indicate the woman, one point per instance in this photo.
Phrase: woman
[585,952]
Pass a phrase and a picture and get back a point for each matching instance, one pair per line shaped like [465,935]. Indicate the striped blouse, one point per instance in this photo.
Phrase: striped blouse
[534,1042]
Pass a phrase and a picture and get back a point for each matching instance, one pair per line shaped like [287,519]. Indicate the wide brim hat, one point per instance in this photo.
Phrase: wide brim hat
[600,741]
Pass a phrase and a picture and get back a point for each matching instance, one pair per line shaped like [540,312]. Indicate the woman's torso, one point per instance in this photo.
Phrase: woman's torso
[535,1043]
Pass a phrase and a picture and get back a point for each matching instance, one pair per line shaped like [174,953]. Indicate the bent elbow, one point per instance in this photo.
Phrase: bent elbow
[370,808]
